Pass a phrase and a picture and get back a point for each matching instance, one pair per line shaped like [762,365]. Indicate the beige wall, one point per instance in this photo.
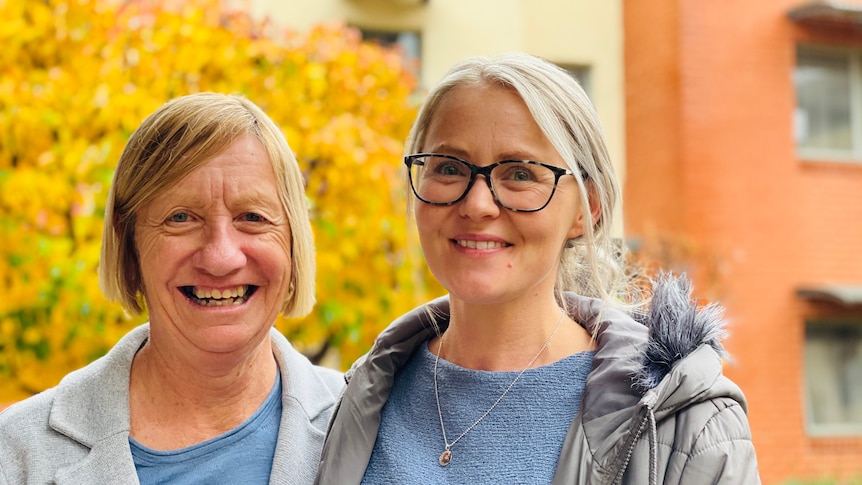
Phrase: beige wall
[582,32]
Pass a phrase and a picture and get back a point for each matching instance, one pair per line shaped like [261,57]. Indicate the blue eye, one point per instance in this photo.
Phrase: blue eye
[179,217]
[446,167]
[252,217]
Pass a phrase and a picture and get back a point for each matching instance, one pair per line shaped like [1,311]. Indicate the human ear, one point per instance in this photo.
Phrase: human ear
[577,228]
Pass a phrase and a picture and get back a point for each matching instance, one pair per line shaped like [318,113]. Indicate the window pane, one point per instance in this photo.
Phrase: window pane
[582,74]
[833,375]
[409,43]
[822,118]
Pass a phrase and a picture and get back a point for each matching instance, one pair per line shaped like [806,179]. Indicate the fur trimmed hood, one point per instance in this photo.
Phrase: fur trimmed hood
[676,328]
[652,368]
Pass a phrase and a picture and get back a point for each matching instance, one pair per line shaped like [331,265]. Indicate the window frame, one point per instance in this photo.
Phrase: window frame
[413,60]
[854,57]
[825,430]
[583,73]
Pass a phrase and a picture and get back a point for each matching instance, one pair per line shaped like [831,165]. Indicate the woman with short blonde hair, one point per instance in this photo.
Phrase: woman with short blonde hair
[207,231]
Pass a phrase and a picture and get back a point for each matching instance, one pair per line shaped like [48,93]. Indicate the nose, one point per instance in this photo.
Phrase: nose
[221,252]
[479,201]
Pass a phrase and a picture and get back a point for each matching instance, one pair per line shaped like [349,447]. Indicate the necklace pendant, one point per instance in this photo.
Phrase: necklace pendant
[445,457]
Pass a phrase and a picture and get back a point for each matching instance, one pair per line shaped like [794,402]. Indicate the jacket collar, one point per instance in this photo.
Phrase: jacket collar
[91,407]
[302,383]
[648,370]
[353,431]
[308,398]
[608,398]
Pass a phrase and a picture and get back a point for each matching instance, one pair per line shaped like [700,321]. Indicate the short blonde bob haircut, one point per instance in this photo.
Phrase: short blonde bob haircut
[182,135]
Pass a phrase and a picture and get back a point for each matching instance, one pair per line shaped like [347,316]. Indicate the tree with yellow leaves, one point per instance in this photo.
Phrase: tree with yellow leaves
[78,76]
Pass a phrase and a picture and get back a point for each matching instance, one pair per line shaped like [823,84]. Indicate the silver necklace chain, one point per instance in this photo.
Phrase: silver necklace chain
[446,456]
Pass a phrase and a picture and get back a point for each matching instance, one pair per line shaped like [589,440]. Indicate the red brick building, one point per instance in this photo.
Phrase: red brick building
[744,152]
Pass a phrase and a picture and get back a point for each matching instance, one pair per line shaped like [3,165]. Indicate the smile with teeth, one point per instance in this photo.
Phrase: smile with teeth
[216,297]
[481,244]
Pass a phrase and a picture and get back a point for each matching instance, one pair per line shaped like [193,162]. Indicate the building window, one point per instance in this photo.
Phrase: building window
[833,377]
[828,116]
[408,41]
[582,74]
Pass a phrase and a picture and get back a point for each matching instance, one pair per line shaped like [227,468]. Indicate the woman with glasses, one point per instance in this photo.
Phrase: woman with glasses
[543,364]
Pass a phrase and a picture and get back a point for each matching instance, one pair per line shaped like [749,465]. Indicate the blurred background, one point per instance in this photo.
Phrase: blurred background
[736,127]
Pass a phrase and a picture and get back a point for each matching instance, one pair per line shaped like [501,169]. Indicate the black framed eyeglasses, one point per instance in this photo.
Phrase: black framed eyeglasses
[517,185]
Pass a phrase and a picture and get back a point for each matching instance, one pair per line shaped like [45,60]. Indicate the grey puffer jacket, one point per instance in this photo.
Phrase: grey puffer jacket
[656,407]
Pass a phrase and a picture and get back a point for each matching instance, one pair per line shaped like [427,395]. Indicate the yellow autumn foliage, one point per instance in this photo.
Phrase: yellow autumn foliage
[77,76]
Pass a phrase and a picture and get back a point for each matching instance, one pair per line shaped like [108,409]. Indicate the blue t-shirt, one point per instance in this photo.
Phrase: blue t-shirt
[518,442]
[242,455]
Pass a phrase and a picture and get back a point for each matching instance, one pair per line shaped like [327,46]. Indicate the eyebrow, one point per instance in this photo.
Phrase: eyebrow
[255,199]
[187,199]
[448,149]
[457,152]
[259,200]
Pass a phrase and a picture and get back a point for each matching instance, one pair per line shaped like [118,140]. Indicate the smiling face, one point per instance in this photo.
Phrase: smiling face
[214,252]
[481,252]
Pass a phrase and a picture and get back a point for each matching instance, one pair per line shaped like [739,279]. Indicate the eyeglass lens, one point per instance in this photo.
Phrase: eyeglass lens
[518,185]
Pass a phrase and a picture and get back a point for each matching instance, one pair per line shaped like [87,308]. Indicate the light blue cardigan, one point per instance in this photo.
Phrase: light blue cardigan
[78,432]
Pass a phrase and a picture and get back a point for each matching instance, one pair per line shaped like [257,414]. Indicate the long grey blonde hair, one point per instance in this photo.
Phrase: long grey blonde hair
[592,264]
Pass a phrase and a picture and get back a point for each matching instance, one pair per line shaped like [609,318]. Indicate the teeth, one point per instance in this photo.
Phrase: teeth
[480,244]
[223,302]
[222,297]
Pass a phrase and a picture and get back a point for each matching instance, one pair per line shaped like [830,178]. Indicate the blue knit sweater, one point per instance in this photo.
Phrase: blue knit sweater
[518,442]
